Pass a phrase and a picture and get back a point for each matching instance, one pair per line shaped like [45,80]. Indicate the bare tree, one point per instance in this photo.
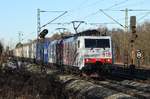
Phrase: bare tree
[122,43]
[57,36]
[1,48]
[142,41]
[1,51]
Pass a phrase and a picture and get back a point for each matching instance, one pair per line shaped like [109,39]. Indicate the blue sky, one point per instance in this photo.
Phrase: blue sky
[21,15]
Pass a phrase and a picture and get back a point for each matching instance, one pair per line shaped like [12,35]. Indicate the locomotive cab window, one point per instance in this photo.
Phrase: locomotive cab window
[97,43]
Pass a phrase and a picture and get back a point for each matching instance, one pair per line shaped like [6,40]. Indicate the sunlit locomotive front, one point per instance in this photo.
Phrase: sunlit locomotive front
[87,53]
[94,52]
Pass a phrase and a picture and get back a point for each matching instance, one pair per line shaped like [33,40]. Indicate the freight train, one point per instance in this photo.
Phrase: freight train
[86,53]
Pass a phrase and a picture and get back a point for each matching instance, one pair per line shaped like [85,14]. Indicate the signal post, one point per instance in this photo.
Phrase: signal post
[132,41]
[42,37]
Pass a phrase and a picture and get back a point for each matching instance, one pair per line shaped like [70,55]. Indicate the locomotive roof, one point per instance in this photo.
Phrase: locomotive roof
[93,32]
[85,37]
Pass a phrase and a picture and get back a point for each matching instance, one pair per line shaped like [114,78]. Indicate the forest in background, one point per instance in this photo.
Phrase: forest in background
[122,45]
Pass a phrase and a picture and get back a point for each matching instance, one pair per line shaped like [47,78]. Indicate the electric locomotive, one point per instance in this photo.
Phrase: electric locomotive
[84,53]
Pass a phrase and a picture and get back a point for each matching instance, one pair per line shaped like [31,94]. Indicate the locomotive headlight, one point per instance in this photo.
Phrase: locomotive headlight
[108,60]
[90,60]
[86,60]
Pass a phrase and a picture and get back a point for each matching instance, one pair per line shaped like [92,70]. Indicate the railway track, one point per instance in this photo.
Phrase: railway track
[122,83]
[124,89]
[135,89]
[136,85]
[130,73]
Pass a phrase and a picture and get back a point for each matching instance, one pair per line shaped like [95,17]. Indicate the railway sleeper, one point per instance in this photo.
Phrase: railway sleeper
[126,90]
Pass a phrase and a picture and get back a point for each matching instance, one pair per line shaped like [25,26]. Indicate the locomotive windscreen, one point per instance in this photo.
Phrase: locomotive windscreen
[97,43]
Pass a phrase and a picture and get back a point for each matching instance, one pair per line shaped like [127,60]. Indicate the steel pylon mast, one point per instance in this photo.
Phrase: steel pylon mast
[38,22]
[126,26]
[126,20]
[20,34]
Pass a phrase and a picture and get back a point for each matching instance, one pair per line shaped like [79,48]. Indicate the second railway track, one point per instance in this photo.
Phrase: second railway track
[130,87]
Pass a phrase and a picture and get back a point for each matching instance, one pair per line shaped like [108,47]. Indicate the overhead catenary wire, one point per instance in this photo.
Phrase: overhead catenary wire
[94,13]
[131,4]
[51,11]
[64,12]
[83,3]
[112,18]
[134,15]
[126,11]
[53,19]
[100,23]
[91,14]
[85,6]
[108,9]
[143,16]
[116,4]
[94,3]
[78,7]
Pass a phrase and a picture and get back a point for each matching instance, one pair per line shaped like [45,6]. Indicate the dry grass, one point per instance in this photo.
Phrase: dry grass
[24,85]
